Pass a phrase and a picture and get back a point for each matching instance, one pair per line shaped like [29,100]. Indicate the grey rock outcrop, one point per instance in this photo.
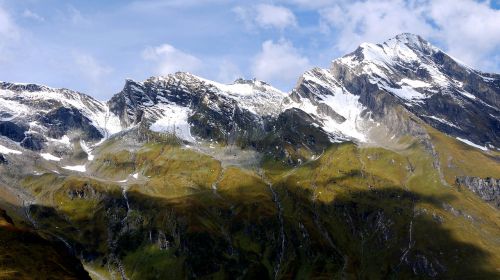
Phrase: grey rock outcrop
[488,189]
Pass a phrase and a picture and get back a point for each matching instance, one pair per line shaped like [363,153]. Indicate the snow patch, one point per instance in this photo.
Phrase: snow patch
[414,83]
[466,94]
[441,121]
[339,100]
[174,120]
[472,144]
[64,140]
[405,92]
[4,150]
[87,150]
[347,105]
[48,156]
[78,168]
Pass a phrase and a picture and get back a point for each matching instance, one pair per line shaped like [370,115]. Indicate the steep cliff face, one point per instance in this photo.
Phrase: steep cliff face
[373,95]
[38,117]
[408,71]
[190,106]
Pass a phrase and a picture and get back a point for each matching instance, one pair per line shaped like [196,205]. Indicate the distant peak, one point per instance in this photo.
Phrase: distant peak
[415,42]
[407,37]
[254,81]
[404,47]
[410,40]
[31,87]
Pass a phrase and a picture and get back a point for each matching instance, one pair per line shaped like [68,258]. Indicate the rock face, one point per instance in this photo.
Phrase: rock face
[3,160]
[12,131]
[181,177]
[61,120]
[35,115]
[204,108]
[397,86]
[247,113]
[487,189]
[408,71]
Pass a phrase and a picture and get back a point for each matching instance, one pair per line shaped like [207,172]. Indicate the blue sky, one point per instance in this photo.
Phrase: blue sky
[93,45]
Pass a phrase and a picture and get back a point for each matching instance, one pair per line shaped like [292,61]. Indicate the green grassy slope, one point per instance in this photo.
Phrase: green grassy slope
[354,212]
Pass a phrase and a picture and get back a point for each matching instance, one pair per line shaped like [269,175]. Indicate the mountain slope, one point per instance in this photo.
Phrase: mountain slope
[383,166]
[25,254]
[426,81]
[37,116]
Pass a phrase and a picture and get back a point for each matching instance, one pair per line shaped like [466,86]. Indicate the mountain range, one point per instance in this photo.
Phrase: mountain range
[385,165]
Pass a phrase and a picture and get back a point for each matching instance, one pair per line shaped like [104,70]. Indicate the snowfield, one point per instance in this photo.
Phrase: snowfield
[6,151]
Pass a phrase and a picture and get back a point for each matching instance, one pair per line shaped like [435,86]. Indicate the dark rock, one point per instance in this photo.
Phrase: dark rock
[85,192]
[471,115]
[488,189]
[297,128]
[61,120]
[12,131]
[3,160]
[422,266]
[34,142]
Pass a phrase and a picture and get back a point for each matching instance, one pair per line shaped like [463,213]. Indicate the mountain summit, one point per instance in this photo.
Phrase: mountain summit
[384,165]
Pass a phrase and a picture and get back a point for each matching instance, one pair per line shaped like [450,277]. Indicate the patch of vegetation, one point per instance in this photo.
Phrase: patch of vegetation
[351,213]
[459,159]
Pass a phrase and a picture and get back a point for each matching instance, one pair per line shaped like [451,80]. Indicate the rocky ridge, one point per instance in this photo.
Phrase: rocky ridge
[343,176]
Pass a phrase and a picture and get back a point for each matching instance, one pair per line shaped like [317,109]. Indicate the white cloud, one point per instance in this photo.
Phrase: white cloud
[279,62]
[244,15]
[274,16]
[10,35]
[170,60]
[94,72]
[8,28]
[468,30]
[32,15]
[265,16]
[384,20]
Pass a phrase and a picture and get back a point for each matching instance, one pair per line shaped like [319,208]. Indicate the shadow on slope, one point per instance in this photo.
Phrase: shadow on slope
[244,232]
[26,255]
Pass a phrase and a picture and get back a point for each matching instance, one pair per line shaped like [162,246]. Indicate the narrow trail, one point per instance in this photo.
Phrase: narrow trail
[411,243]
[363,165]
[27,211]
[279,207]
[114,264]
[317,216]
[437,164]
[124,194]
[218,180]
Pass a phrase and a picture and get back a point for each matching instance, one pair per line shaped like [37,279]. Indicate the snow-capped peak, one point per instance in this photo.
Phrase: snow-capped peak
[404,48]
[404,65]
[254,95]
[25,101]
